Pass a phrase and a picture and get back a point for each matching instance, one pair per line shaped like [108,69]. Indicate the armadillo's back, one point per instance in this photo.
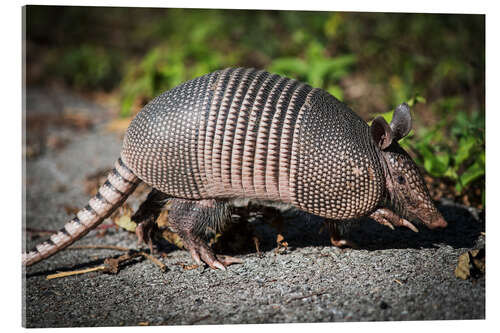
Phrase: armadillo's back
[248,133]
[161,143]
[226,134]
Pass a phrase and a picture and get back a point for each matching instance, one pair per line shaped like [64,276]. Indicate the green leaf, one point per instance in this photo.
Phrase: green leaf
[441,163]
[420,99]
[287,66]
[435,163]
[336,91]
[415,100]
[475,171]
[386,115]
[126,105]
[451,173]
[464,149]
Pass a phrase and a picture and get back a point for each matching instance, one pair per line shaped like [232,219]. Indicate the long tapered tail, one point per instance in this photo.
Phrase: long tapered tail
[121,182]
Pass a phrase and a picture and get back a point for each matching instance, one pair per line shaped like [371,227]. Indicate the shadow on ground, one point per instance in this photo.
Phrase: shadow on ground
[464,228]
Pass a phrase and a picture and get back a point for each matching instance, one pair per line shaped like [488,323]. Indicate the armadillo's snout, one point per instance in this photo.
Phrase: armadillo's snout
[437,222]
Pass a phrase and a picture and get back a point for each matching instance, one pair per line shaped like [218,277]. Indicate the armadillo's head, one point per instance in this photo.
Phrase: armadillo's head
[406,191]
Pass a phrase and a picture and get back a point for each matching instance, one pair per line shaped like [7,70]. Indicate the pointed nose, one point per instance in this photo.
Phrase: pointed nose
[437,222]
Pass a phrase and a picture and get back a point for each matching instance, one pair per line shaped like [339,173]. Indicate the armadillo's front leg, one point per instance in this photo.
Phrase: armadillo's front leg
[146,216]
[189,219]
[390,219]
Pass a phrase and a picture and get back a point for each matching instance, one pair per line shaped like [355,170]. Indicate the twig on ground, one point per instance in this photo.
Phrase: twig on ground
[158,263]
[81,271]
[111,265]
[102,247]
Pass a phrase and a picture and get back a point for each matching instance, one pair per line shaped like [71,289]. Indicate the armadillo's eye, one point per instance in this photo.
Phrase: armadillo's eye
[400,179]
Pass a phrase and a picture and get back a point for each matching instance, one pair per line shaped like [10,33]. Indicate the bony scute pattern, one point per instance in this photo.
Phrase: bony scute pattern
[248,133]
[335,152]
[169,125]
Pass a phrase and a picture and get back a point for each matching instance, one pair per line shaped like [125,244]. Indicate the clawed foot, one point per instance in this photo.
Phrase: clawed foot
[390,219]
[144,232]
[201,252]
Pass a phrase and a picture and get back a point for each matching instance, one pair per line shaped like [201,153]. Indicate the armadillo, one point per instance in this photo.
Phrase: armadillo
[246,134]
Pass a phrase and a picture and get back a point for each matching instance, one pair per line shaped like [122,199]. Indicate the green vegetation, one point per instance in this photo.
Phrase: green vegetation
[372,61]
[456,151]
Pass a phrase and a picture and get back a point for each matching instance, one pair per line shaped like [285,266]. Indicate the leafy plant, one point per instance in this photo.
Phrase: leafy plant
[456,152]
[85,66]
[316,69]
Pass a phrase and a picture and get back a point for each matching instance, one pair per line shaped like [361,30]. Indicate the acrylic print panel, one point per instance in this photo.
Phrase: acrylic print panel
[85,82]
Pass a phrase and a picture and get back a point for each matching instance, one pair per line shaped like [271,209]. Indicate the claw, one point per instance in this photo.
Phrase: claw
[195,256]
[388,218]
[408,224]
[227,260]
[218,265]
[385,222]
[139,232]
[144,232]
[201,252]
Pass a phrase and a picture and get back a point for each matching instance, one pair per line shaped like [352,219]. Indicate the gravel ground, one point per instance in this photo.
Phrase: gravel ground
[394,275]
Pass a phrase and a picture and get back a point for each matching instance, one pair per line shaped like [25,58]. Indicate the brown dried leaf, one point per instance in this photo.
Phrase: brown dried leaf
[187,267]
[113,264]
[214,239]
[172,238]
[162,220]
[282,246]
[471,264]
[163,224]
[126,223]
[279,238]
[122,218]
[479,259]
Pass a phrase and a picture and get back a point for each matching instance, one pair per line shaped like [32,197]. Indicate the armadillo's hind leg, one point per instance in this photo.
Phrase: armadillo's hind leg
[146,216]
[192,219]
[338,231]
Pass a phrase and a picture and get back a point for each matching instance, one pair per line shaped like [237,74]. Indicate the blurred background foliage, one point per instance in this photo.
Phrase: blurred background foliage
[371,61]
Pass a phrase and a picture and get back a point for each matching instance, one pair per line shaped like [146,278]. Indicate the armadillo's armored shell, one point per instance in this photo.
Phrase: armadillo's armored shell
[248,133]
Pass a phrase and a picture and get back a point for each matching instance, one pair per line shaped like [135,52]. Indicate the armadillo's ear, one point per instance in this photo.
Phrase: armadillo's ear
[401,122]
[381,132]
